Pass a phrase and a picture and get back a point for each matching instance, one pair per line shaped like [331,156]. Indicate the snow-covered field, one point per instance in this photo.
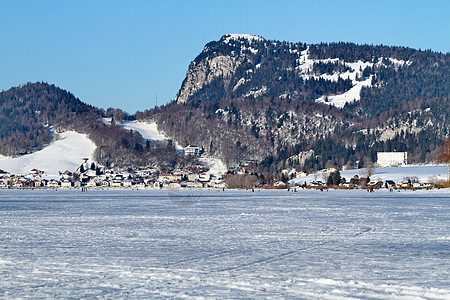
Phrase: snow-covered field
[232,244]
[65,153]
[425,173]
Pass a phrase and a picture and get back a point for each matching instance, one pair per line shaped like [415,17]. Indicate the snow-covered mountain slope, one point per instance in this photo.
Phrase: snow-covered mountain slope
[66,152]
[237,59]
[150,131]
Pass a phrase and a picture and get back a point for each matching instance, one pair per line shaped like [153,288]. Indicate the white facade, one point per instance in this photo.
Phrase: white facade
[193,151]
[389,159]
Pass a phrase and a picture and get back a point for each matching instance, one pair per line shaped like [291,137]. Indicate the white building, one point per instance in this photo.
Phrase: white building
[193,150]
[389,159]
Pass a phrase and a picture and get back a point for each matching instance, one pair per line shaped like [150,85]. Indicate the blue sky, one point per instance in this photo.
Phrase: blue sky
[124,53]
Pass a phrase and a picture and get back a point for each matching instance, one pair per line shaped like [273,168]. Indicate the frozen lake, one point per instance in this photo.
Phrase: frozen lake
[232,244]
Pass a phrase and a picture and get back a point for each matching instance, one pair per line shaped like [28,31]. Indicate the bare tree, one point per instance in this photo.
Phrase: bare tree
[368,170]
[445,156]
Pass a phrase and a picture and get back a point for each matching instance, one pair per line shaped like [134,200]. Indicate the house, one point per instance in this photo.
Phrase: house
[66,183]
[192,177]
[219,184]
[91,183]
[140,185]
[392,159]
[389,183]
[104,183]
[127,183]
[194,185]
[204,177]
[116,183]
[38,183]
[193,150]
[53,183]
[174,185]
[170,177]
[77,184]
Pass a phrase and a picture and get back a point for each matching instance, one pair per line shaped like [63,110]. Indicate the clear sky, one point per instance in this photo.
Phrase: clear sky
[125,54]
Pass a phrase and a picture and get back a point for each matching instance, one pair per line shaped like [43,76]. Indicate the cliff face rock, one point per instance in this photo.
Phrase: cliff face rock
[362,79]
[311,105]
[218,60]
[204,72]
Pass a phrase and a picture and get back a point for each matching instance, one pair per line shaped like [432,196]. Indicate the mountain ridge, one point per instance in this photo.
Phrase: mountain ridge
[276,104]
[289,98]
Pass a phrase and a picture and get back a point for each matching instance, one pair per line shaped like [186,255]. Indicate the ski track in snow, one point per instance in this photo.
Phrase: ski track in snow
[232,244]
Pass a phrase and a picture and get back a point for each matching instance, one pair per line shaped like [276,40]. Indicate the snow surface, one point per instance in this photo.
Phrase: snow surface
[147,130]
[215,165]
[237,36]
[424,174]
[353,94]
[65,153]
[224,245]
[305,65]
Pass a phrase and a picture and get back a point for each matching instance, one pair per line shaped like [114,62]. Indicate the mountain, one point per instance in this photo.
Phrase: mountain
[282,104]
[265,104]
[32,115]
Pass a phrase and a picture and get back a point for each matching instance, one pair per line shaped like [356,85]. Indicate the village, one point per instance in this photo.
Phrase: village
[89,175]
[93,176]
[100,177]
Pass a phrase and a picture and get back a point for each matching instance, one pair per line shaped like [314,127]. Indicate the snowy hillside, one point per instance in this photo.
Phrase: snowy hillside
[65,153]
[150,131]
[306,67]
[422,173]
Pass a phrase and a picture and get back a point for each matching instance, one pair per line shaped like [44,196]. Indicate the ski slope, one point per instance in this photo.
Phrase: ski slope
[66,152]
